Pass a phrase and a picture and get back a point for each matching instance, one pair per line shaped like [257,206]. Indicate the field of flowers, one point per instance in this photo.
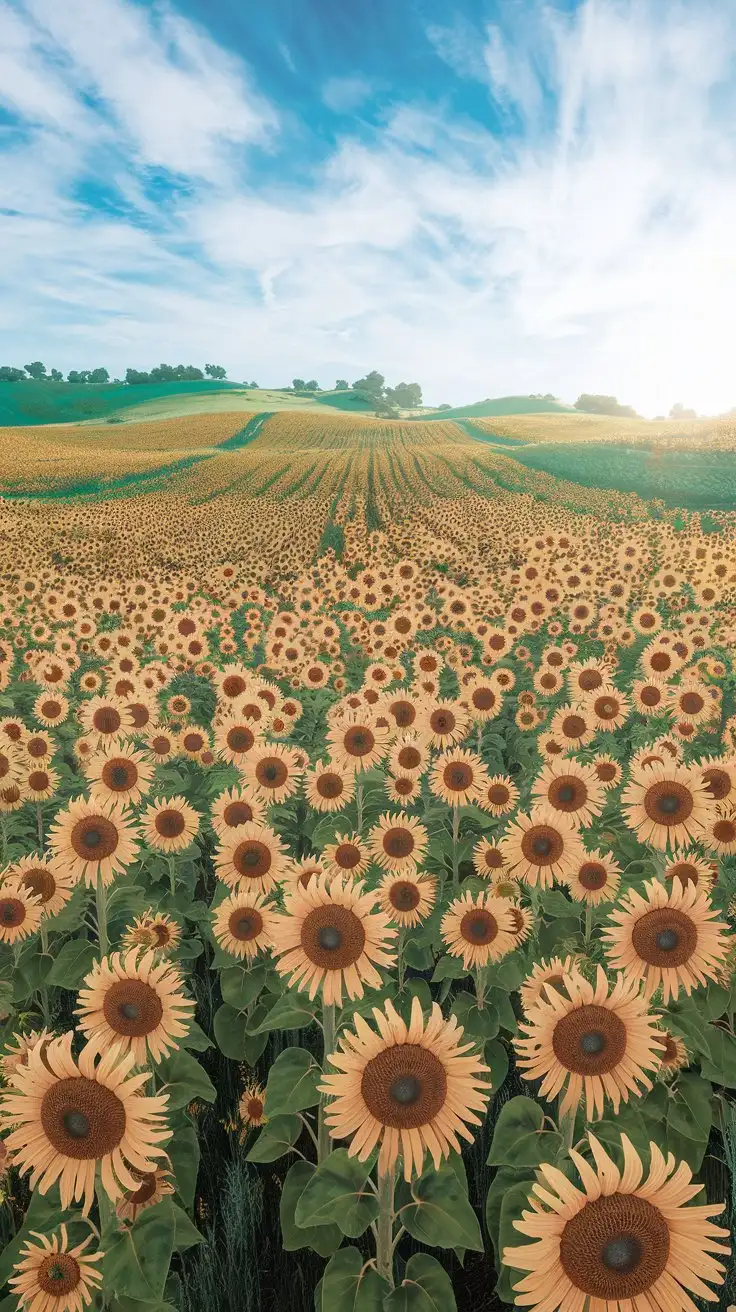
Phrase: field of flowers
[367,876]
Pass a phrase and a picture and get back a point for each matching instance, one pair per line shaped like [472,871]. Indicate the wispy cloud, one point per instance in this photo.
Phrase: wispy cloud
[578,237]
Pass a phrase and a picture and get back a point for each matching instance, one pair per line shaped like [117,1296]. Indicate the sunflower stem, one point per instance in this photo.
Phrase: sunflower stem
[480,739]
[455,840]
[44,993]
[566,1125]
[400,964]
[385,1227]
[588,924]
[359,807]
[480,987]
[101,903]
[39,827]
[172,875]
[324,1145]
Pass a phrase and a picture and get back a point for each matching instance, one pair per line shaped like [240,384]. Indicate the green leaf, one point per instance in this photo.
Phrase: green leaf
[231,1032]
[350,1285]
[292,1082]
[196,1039]
[515,1200]
[324,1239]
[497,1060]
[185,1080]
[239,987]
[690,1110]
[720,1067]
[276,1138]
[137,1260]
[480,1024]
[183,1152]
[518,1138]
[449,968]
[440,1214]
[71,963]
[292,1011]
[426,1287]
[337,1192]
[186,1234]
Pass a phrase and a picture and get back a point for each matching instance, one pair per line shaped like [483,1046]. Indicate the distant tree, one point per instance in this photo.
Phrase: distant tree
[136,376]
[444,406]
[99,376]
[36,370]
[372,385]
[8,374]
[298,384]
[312,385]
[56,376]
[679,411]
[74,376]
[384,410]
[604,405]
[215,371]
[252,385]
[341,385]
[656,417]
[405,395]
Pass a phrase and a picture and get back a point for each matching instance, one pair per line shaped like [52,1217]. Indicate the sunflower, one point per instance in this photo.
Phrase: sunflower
[542,846]
[244,923]
[348,855]
[670,937]
[331,935]
[609,709]
[250,854]
[572,789]
[118,773]
[552,972]
[70,1115]
[152,1187]
[587,677]
[397,842]
[250,1107]
[105,719]
[690,868]
[235,736]
[407,897]
[91,839]
[236,806]
[587,1040]
[13,797]
[668,804]
[41,782]
[357,742]
[11,765]
[719,834]
[169,824]
[608,772]
[572,724]
[273,771]
[522,918]
[500,795]
[50,709]
[443,723]
[35,874]
[719,777]
[479,929]
[690,701]
[132,1001]
[309,867]
[20,913]
[458,777]
[674,1055]
[414,1088]
[154,929]
[328,787]
[162,742]
[488,859]
[409,755]
[595,879]
[17,1055]
[403,789]
[52,1277]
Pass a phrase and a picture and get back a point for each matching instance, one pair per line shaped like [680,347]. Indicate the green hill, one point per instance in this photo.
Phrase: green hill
[501,405]
[63,403]
[354,402]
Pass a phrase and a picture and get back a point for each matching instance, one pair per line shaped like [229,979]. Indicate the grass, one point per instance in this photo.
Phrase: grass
[61,403]
[500,405]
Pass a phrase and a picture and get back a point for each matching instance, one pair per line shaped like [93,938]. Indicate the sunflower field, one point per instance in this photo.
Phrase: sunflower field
[367,884]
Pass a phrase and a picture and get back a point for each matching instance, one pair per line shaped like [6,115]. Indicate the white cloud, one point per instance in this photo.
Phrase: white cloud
[344,94]
[588,250]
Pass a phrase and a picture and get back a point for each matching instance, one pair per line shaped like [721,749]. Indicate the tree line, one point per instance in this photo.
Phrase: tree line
[162,373]
[372,388]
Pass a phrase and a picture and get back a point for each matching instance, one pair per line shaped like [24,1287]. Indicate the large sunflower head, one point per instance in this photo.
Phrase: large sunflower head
[595,879]
[398,842]
[135,1002]
[69,1115]
[244,923]
[479,928]
[667,804]
[273,771]
[37,875]
[329,787]
[407,897]
[54,1276]
[621,1241]
[332,936]
[542,846]
[118,773]
[458,777]
[584,1038]
[236,806]
[412,1088]
[20,912]
[571,789]
[152,1187]
[92,838]
[670,937]
[169,824]
[552,973]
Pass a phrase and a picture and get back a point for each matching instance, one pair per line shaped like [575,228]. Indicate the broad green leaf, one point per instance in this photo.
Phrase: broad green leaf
[350,1285]
[690,1110]
[496,1058]
[239,986]
[276,1138]
[338,1192]
[185,1079]
[720,1067]
[514,1202]
[449,968]
[324,1239]
[479,1023]
[518,1138]
[292,1082]
[292,1011]
[440,1214]
[196,1039]
[136,1262]
[183,1151]
[231,1032]
[71,963]
[426,1287]
[186,1234]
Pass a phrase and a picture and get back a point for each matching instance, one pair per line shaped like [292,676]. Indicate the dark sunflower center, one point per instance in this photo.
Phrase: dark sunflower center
[12,912]
[359,742]
[498,794]
[82,1119]
[252,859]
[668,803]
[442,722]
[240,740]
[590,1040]
[665,937]
[592,876]
[120,775]
[541,846]
[332,937]
[237,813]
[132,1008]
[616,1247]
[170,824]
[58,1275]
[40,883]
[479,927]
[347,856]
[405,896]
[329,785]
[94,838]
[272,773]
[91,837]
[404,1086]
[398,843]
[717,783]
[145,1191]
[566,793]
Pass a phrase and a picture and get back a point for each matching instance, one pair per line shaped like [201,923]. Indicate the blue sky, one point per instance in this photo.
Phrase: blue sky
[486,198]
